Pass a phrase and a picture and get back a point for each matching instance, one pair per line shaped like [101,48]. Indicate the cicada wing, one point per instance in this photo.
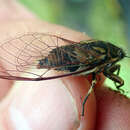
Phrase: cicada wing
[22,55]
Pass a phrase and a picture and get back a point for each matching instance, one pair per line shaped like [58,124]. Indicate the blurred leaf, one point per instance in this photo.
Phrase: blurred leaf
[106,21]
[45,9]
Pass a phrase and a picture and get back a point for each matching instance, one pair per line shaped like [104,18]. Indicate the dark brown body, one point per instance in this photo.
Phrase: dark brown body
[94,56]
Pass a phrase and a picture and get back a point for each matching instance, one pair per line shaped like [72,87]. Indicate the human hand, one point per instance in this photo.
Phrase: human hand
[54,104]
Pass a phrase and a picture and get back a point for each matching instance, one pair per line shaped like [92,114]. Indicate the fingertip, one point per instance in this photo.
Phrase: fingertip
[51,104]
[43,105]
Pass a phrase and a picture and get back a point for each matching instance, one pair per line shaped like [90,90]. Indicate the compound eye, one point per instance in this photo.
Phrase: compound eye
[119,53]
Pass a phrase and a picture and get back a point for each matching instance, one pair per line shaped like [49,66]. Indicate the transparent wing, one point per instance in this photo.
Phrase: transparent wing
[22,55]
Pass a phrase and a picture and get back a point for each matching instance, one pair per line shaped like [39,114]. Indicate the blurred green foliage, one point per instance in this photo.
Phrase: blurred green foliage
[100,19]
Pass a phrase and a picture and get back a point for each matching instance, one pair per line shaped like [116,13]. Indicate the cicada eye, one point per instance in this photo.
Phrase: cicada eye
[120,53]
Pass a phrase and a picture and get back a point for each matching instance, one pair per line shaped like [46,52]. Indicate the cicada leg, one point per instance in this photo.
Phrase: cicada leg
[89,92]
[109,72]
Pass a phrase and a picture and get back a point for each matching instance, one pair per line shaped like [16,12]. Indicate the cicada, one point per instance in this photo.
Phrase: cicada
[57,57]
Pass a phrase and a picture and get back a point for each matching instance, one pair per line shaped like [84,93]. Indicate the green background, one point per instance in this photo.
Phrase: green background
[101,19]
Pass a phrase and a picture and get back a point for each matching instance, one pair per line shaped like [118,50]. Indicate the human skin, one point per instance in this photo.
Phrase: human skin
[54,104]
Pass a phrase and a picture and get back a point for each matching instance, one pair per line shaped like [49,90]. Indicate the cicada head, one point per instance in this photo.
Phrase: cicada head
[116,52]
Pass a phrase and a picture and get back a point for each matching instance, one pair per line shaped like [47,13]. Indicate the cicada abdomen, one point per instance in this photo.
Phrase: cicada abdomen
[62,59]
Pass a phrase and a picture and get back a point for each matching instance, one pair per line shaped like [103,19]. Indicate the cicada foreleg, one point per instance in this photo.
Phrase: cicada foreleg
[89,92]
[109,72]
